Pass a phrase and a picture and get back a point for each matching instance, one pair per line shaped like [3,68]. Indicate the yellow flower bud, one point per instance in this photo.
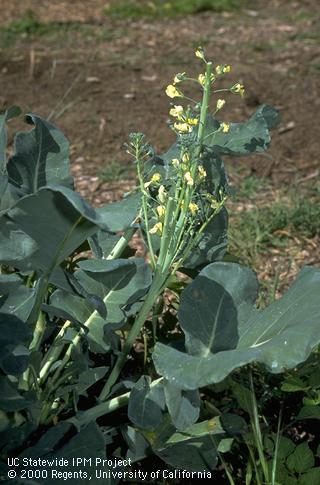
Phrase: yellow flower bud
[225,127]
[221,103]
[199,53]
[156,178]
[193,208]
[157,229]
[161,211]
[175,162]
[176,112]
[188,178]
[162,194]
[202,79]
[238,88]
[202,172]
[179,77]
[192,121]
[182,127]
[173,92]
[186,158]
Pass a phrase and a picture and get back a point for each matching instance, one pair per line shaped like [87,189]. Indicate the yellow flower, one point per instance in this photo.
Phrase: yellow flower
[176,111]
[161,211]
[219,70]
[182,127]
[156,177]
[162,194]
[225,127]
[173,92]
[193,208]
[202,172]
[238,88]
[199,53]
[202,79]
[156,229]
[179,77]
[222,69]
[175,162]
[226,69]
[221,103]
[188,178]
[192,121]
[186,158]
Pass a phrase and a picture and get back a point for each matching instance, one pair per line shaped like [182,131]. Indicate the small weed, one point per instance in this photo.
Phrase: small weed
[115,171]
[157,9]
[255,231]
[29,25]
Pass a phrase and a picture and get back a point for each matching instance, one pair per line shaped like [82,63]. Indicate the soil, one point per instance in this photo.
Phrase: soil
[101,79]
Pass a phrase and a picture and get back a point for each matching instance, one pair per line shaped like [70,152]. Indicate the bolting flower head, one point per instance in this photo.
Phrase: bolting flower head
[200,53]
[202,172]
[238,88]
[225,127]
[193,208]
[188,178]
[161,211]
[178,78]
[162,194]
[156,229]
[175,162]
[183,127]
[176,112]
[173,92]
[221,103]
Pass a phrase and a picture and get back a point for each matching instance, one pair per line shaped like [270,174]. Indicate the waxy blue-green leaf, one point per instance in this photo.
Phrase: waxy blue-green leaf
[15,337]
[215,305]
[19,302]
[194,449]
[10,398]
[281,336]
[120,283]
[61,442]
[243,138]
[183,406]
[213,243]
[42,229]
[118,216]
[146,404]
[12,112]
[41,157]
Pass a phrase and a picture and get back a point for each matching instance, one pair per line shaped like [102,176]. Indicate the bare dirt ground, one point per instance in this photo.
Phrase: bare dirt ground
[99,79]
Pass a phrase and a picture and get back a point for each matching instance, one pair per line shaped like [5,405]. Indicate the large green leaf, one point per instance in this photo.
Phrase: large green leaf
[119,283]
[19,302]
[58,443]
[41,157]
[215,305]
[7,115]
[195,448]
[15,337]
[183,406]
[280,336]
[146,404]
[118,216]
[213,243]
[243,138]
[42,229]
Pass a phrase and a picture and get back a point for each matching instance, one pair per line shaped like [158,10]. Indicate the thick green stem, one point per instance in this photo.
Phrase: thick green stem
[153,294]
